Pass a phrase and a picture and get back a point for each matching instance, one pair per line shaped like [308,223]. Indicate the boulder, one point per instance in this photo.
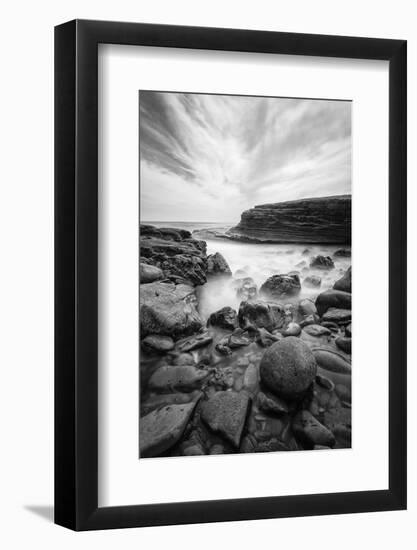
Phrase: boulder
[224,318]
[332,361]
[288,368]
[348,330]
[194,342]
[149,273]
[163,428]
[310,320]
[345,344]
[345,282]
[322,262]
[342,253]
[272,404]
[261,315]
[168,309]
[324,382]
[333,298]
[310,432]
[317,330]
[246,288]
[312,281]
[217,265]
[293,329]
[281,286]
[155,343]
[307,307]
[337,315]
[265,338]
[155,401]
[225,413]
[238,339]
[182,378]
[251,378]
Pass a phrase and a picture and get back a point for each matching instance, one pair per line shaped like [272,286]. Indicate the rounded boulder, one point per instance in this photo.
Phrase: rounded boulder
[288,368]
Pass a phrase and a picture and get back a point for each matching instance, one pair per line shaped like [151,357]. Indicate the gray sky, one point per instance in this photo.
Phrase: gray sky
[209,157]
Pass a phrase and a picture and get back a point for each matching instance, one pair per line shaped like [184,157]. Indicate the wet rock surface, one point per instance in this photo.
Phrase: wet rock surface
[281,286]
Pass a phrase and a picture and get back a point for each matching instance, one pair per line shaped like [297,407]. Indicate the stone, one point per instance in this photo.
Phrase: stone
[330,325]
[217,449]
[309,320]
[168,309]
[333,298]
[157,401]
[224,318]
[293,329]
[261,315]
[194,342]
[149,273]
[322,262]
[272,404]
[337,315]
[345,344]
[324,220]
[251,378]
[307,307]
[317,330]
[321,448]
[332,361]
[193,450]
[225,413]
[223,349]
[345,282]
[343,435]
[155,343]
[182,378]
[246,288]
[312,281]
[342,253]
[217,265]
[325,382]
[238,339]
[348,330]
[265,338]
[163,428]
[288,368]
[343,392]
[310,432]
[183,359]
[281,286]
[272,445]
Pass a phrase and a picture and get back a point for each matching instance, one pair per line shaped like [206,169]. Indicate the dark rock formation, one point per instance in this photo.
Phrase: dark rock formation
[311,432]
[316,220]
[168,309]
[281,286]
[217,265]
[342,253]
[312,281]
[322,262]
[149,273]
[183,378]
[288,368]
[332,361]
[333,298]
[261,315]
[345,282]
[224,318]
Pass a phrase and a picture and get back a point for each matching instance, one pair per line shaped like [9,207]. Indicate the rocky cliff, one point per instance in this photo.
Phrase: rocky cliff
[324,220]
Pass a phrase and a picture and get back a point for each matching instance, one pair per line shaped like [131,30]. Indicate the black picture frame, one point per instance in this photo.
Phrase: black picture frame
[76,272]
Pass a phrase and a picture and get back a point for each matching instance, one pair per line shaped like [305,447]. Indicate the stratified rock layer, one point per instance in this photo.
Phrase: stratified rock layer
[316,220]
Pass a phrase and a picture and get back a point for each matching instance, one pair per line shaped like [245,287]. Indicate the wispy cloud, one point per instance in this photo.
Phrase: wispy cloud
[209,157]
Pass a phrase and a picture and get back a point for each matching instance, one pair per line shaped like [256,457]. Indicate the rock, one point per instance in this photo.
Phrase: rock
[293,329]
[154,343]
[331,361]
[273,445]
[161,429]
[168,309]
[310,320]
[194,342]
[193,450]
[345,344]
[217,449]
[333,298]
[246,288]
[317,330]
[345,282]
[251,378]
[342,253]
[343,392]
[183,359]
[348,330]
[149,273]
[223,349]
[305,252]
[280,286]
[249,444]
[175,253]
[330,325]
[321,448]
[310,432]
[183,378]
[224,318]
[303,263]
[322,262]
[324,382]
[272,404]
[312,220]
[225,413]
[158,401]
[217,265]
[343,435]
[238,339]
[288,368]
[261,315]
[312,281]
[336,315]
[307,307]
[265,338]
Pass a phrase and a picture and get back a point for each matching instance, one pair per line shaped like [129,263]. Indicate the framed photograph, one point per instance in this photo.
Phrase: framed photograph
[230,253]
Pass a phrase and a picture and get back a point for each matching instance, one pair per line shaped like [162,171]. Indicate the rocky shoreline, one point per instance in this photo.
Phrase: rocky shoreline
[272,375]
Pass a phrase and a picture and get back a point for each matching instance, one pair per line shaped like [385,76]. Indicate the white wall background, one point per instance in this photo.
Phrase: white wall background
[26,273]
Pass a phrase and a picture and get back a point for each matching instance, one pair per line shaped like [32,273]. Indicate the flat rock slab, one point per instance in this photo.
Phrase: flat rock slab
[155,343]
[161,429]
[337,315]
[332,361]
[182,378]
[194,342]
[310,431]
[225,412]
[317,330]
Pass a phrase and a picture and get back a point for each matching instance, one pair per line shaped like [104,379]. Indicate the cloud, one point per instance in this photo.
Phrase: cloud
[218,155]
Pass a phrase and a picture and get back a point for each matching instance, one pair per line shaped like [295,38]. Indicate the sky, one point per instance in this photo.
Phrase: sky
[210,157]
